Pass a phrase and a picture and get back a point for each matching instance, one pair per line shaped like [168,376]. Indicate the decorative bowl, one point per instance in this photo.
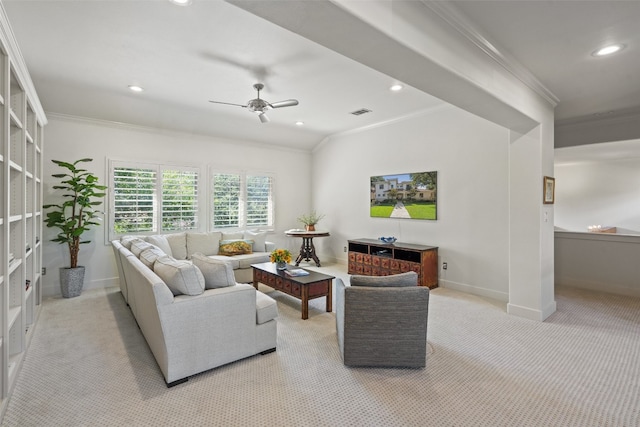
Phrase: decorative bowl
[387,239]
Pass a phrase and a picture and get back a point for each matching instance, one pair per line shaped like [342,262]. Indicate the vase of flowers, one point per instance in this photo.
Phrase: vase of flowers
[281,257]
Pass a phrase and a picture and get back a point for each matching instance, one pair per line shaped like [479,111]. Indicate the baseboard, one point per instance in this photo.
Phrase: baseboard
[598,286]
[530,313]
[474,290]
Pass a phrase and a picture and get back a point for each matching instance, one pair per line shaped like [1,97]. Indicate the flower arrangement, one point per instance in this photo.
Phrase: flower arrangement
[281,255]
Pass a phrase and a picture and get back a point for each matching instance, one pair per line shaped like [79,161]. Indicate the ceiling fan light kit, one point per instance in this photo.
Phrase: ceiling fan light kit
[261,106]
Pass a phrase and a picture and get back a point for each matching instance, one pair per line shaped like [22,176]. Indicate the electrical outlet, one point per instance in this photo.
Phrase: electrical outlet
[444,265]
[345,249]
[44,270]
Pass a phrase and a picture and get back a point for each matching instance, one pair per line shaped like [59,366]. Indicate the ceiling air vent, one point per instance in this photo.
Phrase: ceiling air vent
[360,112]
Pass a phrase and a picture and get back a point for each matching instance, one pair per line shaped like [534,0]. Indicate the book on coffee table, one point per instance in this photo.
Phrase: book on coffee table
[296,272]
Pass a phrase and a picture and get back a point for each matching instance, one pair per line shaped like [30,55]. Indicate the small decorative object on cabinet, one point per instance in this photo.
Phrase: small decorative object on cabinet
[73,216]
[371,257]
[310,220]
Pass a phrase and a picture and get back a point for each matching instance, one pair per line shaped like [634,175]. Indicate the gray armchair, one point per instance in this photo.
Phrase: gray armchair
[382,320]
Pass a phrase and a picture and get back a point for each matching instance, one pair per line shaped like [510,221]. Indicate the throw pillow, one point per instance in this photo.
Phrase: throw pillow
[128,240]
[204,243]
[178,243]
[259,239]
[150,255]
[160,240]
[217,274]
[182,277]
[409,278]
[137,246]
[235,247]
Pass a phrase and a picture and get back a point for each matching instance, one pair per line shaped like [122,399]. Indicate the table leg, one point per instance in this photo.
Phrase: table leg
[330,296]
[255,278]
[305,302]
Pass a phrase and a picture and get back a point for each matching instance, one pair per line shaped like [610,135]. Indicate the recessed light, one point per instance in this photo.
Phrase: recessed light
[181,2]
[135,88]
[608,50]
[299,123]
[396,87]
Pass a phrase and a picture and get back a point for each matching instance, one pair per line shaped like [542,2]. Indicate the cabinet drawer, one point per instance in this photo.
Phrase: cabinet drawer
[352,256]
[366,259]
[366,269]
[385,262]
[359,257]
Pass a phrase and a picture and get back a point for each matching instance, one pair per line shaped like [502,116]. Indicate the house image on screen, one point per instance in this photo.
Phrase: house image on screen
[399,187]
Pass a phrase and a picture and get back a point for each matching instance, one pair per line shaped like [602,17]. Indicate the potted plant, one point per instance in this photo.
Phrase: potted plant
[74,216]
[310,220]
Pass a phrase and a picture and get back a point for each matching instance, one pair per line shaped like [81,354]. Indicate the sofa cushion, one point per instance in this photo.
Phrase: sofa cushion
[160,240]
[182,277]
[204,243]
[137,246]
[409,278]
[150,255]
[127,241]
[245,261]
[236,235]
[266,308]
[178,243]
[259,239]
[217,274]
[232,261]
[235,247]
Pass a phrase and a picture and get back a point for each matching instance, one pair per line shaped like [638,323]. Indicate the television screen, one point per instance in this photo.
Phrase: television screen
[405,195]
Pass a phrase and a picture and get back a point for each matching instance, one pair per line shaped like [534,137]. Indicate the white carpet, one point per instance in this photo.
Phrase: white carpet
[88,365]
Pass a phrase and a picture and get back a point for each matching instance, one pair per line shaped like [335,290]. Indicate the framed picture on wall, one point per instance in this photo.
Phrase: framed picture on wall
[549,189]
[405,195]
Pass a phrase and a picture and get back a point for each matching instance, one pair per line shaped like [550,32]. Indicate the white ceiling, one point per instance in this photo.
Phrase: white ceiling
[82,55]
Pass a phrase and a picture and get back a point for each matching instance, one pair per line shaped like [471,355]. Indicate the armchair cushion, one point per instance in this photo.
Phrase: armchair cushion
[409,278]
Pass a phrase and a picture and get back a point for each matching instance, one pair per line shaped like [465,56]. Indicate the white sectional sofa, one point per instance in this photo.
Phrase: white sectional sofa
[182,246]
[193,315]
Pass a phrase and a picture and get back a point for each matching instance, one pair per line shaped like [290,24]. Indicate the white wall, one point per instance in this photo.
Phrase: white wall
[471,156]
[71,139]
[598,184]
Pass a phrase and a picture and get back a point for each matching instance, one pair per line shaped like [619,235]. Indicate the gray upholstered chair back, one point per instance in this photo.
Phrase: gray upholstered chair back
[382,321]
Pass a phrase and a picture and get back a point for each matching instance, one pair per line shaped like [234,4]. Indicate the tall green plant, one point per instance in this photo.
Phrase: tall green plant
[76,214]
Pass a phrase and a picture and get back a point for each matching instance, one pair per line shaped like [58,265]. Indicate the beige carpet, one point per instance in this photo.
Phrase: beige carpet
[88,365]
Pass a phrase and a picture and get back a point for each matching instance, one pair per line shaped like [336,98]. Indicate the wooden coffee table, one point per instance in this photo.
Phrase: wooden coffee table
[314,285]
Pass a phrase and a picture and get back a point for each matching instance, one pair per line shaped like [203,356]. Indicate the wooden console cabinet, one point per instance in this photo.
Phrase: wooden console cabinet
[371,257]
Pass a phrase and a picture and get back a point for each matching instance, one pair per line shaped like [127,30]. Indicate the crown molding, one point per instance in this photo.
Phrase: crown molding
[462,24]
[222,139]
[11,48]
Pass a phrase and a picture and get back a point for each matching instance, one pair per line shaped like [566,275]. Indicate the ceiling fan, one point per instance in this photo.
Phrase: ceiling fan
[260,106]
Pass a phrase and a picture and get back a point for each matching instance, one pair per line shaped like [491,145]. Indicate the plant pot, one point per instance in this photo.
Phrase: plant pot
[281,265]
[310,227]
[71,281]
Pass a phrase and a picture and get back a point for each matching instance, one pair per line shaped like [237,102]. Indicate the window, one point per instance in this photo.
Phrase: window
[152,198]
[240,200]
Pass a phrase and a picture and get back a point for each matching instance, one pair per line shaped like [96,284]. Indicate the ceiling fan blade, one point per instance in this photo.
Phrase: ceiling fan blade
[287,103]
[228,103]
[263,118]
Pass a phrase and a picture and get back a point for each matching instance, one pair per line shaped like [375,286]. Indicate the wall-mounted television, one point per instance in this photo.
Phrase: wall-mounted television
[405,195]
